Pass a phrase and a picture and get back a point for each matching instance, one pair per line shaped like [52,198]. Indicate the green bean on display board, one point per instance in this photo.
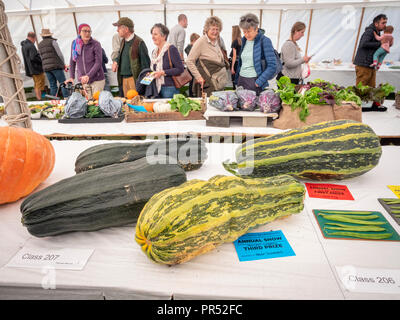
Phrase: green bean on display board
[392,206]
[345,212]
[337,217]
[355,225]
[371,236]
[356,228]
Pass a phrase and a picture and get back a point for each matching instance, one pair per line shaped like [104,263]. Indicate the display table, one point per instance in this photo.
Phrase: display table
[385,124]
[118,269]
[345,74]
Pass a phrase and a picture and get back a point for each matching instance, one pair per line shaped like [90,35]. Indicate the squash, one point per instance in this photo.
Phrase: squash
[131,94]
[159,107]
[105,197]
[182,222]
[26,160]
[191,153]
[339,149]
[149,106]
[96,95]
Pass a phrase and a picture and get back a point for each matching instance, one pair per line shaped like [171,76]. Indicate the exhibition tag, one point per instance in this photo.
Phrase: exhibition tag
[65,258]
[328,191]
[366,280]
[263,245]
[396,190]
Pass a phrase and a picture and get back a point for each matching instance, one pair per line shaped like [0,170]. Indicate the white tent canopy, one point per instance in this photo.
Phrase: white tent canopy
[333,27]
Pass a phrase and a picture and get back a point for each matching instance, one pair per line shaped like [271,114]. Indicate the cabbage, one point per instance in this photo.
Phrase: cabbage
[269,101]
[224,100]
[247,99]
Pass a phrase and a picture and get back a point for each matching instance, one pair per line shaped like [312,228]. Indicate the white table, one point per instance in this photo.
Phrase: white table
[345,75]
[119,270]
[385,124]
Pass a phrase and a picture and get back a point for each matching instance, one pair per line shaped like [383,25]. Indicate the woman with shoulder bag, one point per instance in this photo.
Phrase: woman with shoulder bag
[165,62]
[206,60]
[291,55]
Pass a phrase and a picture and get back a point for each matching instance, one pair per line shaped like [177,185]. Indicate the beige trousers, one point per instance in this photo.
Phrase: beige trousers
[93,87]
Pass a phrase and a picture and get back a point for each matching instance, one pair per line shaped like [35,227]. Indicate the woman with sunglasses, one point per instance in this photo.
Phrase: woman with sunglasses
[257,62]
[86,60]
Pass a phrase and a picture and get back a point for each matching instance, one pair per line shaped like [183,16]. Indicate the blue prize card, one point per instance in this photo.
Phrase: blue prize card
[263,245]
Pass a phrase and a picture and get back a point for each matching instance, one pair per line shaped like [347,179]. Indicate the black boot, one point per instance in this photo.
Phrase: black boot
[376,106]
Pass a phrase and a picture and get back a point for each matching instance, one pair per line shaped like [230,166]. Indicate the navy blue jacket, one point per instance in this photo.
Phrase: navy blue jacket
[263,58]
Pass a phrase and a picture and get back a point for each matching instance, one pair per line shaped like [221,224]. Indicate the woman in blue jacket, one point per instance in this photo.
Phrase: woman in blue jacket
[257,61]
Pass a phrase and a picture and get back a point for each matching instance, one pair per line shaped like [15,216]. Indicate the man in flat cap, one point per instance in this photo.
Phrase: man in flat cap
[133,55]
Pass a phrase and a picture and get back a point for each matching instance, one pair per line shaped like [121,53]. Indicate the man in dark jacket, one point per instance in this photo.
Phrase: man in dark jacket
[53,62]
[133,55]
[33,64]
[364,56]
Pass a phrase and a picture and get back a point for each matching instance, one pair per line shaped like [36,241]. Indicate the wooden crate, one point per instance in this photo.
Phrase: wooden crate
[217,118]
[131,116]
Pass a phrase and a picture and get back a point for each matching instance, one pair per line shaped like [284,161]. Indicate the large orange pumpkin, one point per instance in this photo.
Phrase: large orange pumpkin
[26,160]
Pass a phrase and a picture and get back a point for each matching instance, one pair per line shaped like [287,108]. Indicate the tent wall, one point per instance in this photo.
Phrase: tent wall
[332,34]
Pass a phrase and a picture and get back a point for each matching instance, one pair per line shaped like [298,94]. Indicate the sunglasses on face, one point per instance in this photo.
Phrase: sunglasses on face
[87,31]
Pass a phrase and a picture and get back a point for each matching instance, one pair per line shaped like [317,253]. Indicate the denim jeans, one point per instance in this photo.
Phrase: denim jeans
[53,76]
[168,92]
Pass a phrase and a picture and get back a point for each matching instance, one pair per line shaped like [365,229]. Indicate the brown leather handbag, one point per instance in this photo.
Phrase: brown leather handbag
[184,78]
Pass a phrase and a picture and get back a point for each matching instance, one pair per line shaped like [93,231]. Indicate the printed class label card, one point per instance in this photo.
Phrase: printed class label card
[263,245]
[64,258]
[328,191]
[366,280]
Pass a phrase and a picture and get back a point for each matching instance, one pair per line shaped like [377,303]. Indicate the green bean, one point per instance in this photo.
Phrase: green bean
[373,236]
[395,211]
[341,218]
[394,207]
[366,217]
[392,201]
[357,228]
[344,212]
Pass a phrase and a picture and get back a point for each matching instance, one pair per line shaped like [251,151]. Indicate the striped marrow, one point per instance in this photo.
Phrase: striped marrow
[332,150]
[182,222]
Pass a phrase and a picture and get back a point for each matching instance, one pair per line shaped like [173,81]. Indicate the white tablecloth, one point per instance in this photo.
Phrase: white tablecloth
[385,124]
[118,269]
[345,75]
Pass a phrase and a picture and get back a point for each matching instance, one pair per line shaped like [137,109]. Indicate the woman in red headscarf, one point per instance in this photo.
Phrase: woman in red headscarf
[86,61]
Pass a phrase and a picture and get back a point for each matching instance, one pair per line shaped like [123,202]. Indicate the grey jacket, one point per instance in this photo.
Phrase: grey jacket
[292,60]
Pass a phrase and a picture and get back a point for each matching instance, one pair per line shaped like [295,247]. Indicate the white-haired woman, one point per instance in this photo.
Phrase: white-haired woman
[257,61]
[206,60]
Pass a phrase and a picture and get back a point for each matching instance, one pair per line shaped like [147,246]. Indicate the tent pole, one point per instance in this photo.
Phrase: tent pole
[309,29]
[76,25]
[261,15]
[279,29]
[34,29]
[358,32]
